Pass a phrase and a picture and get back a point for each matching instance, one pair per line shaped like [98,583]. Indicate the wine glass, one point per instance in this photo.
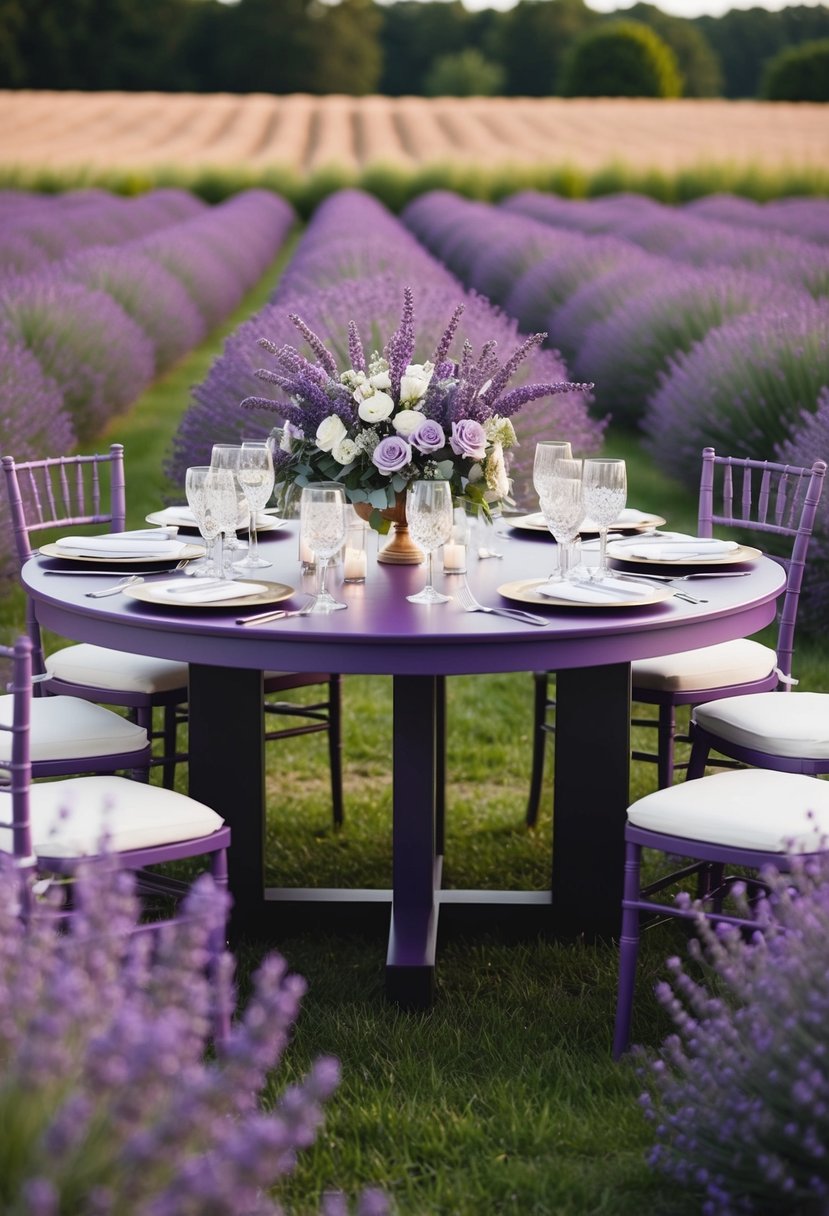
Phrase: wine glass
[256,479]
[211,496]
[562,504]
[605,495]
[226,456]
[322,523]
[546,454]
[429,516]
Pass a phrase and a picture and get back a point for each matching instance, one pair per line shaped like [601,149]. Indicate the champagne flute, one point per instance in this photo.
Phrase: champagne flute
[605,495]
[563,507]
[210,494]
[547,453]
[226,456]
[429,516]
[322,526]
[256,479]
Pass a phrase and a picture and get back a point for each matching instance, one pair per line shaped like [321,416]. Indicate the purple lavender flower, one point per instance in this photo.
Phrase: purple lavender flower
[428,437]
[391,455]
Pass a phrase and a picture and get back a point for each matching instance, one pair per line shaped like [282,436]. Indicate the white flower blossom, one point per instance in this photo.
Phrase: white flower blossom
[376,407]
[496,472]
[344,451]
[407,421]
[414,382]
[329,432]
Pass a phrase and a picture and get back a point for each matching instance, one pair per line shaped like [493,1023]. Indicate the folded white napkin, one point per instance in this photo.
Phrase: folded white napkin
[208,591]
[183,516]
[682,549]
[627,516]
[605,592]
[155,542]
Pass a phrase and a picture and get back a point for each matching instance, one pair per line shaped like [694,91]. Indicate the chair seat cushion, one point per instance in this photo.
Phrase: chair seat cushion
[749,809]
[97,667]
[79,816]
[68,728]
[739,662]
[783,724]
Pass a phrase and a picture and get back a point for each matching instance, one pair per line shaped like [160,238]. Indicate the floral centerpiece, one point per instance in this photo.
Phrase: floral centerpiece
[386,421]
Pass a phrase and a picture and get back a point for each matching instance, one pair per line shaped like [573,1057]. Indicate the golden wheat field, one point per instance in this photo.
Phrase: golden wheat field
[63,130]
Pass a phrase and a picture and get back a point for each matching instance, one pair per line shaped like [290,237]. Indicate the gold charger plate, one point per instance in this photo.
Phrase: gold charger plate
[524,591]
[535,523]
[151,593]
[743,553]
[186,554]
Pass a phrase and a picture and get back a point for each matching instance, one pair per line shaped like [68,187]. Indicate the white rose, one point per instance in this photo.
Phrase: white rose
[407,421]
[344,451]
[380,380]
[329,432]
[496,472]
[376,407]
[415,381]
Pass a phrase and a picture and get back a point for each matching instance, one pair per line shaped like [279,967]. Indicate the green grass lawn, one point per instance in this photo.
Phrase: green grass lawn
[503,1097]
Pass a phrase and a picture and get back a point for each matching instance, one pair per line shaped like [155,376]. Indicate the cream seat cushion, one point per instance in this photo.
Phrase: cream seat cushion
[746,809]
[98,667]
[68,728]
[737,662]
[79,816]
[785,724]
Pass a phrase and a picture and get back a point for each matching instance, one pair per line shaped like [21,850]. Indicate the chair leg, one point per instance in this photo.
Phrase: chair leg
[628,951]
[666,730]
[698,758]
[335,746]
[539,745]
[221,988]
[169,738]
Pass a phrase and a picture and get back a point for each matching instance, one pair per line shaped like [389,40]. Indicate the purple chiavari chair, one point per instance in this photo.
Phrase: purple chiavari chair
[82,491]
[750,818]
[752,496]
[49,827]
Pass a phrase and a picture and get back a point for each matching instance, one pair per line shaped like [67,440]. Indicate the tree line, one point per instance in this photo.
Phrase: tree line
[538,48]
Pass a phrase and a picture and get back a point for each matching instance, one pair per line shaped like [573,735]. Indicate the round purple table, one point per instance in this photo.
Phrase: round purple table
[381,633]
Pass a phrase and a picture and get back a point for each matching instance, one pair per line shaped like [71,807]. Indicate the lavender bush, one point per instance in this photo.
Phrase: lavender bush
[808,218]
[598,297]
[739,1096]
[809,441]
[83,340]
[631,347]
[743,389]
[107,1101]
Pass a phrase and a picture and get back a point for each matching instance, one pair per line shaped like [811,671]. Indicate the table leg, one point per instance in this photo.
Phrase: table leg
[410,963]
[591,791]
[227,772]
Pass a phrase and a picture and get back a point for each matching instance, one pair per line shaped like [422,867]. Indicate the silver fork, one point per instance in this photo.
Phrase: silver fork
[129,581]
[279,614]
[470,604]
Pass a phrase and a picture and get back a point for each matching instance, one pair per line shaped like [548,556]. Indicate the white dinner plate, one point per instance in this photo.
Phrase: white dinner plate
[154,593]
[525,591]
[620,550]
[175,518]
[187,553]
[537,523]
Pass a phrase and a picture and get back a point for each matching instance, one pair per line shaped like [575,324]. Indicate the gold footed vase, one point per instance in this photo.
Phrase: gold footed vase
[401,549]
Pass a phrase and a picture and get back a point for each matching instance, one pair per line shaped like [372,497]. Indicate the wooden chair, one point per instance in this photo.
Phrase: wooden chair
[777,501]
[49,827]
[750,818]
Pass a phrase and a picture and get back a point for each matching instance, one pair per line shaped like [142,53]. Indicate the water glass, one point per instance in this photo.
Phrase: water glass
[429,516]
[211,496]
[256,479]
[322,521]
[562,505]
[605,495]
[226,456]
[547,453]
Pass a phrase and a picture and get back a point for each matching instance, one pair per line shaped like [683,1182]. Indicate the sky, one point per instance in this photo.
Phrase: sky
[678,8]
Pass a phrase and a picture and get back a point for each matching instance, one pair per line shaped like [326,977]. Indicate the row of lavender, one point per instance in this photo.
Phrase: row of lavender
[352,264]
[699,330]
[100,295]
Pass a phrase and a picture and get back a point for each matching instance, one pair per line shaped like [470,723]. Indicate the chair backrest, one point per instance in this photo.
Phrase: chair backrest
[778,500]
[62,491]
[16,769]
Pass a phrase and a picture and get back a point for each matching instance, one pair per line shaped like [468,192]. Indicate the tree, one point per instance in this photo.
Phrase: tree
[413,35]
[530,42]
[800,73]
[621,59]
[345,47]
[467,74]
[698,63]
[746,40]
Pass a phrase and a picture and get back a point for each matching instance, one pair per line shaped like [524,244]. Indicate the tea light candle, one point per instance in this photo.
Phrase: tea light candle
[306,556]
[355,565]
[454,558]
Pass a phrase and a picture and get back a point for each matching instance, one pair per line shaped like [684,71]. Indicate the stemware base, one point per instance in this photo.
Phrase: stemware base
[251,563]
[428,596]
[324,603]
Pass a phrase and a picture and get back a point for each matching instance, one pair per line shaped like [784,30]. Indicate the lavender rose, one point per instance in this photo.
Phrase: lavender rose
[391,455]
[468,439]
[428,436]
